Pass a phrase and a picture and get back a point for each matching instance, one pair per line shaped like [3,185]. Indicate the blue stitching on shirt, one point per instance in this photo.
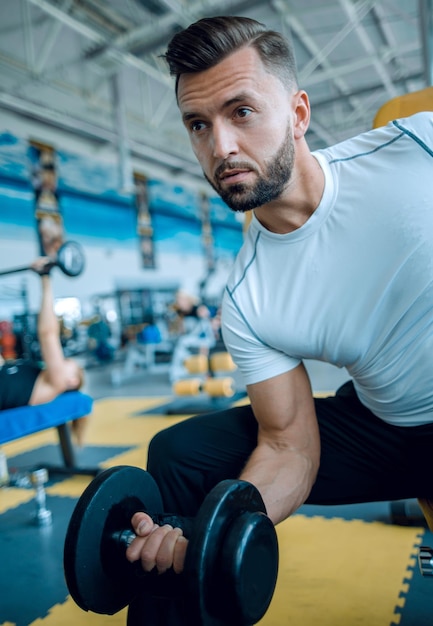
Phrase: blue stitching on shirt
[252,331]
[414,137]
[246,267]
[361,154]
[231,293]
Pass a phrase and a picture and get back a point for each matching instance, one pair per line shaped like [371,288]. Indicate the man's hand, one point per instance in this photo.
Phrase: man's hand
[162,547]
[42,265]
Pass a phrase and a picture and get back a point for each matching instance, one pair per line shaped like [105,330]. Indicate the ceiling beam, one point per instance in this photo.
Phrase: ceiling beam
[381,69]
[93,35]
[426,25]
[100,134]
[51,39]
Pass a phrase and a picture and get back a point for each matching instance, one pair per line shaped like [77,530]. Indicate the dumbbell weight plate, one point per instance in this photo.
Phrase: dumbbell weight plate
[231,562]
[70,258]
[96,582]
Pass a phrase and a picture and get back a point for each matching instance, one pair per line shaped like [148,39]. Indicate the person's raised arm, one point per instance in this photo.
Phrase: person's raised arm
[285,462]
[49,329]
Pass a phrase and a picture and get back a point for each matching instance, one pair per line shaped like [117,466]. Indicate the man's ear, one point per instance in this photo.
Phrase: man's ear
[302,112]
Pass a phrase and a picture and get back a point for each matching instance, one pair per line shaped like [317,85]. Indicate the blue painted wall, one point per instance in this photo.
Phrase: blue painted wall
[104,221]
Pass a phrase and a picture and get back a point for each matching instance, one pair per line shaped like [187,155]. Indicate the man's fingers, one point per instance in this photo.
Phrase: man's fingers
[162,547]
[142,524]
[179,554]
[164,558]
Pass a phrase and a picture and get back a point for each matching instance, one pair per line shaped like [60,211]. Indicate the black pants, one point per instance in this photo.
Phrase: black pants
[363,459]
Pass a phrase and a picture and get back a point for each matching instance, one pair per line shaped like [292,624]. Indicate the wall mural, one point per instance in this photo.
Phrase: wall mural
[144,222]
[49,220]
[80,196]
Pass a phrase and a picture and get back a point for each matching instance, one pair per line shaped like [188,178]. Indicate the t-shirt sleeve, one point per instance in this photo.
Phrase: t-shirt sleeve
[256,360]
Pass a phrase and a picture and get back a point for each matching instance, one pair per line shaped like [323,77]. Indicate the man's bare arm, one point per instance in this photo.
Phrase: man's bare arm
[285,462]
[49,335]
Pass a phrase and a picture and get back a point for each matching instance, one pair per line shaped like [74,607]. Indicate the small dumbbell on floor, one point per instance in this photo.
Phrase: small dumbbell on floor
[231,561]
[42,516]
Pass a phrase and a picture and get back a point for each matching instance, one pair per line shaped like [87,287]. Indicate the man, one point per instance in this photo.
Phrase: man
[26,383]
[336,266]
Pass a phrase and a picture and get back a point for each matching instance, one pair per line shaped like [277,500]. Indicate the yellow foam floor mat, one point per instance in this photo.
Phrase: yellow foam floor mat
[333,572]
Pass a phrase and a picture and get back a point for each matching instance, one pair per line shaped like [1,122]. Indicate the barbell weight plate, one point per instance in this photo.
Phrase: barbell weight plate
[98,575]
[187,387]
[70,258]
[197,364]
[221,362]
[219,387]
[205,579]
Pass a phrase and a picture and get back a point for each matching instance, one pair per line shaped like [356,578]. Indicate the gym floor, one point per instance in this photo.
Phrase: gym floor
[339,566]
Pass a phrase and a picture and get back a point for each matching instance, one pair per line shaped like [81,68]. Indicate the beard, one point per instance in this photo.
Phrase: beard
[279,168]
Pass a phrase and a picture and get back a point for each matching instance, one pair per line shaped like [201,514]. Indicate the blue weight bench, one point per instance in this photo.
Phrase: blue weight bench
[27,420]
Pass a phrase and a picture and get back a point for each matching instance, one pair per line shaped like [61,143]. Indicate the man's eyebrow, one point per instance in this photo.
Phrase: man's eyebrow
[229,103]
[189,116]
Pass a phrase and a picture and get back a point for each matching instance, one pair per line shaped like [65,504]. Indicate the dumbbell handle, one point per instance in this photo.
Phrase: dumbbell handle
[125,537]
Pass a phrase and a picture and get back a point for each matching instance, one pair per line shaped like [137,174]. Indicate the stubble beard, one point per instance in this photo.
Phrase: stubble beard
[241,197]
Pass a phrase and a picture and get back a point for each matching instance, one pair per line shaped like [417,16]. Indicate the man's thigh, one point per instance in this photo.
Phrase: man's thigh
[364,459]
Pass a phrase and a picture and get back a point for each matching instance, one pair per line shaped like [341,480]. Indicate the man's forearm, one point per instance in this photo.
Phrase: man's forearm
[283,477]
[47,320]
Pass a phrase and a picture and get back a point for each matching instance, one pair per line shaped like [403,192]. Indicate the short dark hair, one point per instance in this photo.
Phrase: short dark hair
[207,42]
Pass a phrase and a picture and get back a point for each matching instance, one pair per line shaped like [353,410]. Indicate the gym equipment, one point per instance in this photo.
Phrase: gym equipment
[197,364]
[206,383]
[221,362]
[70,260]
[213,387]
[231,562]
[42,516]
[425,553]
[403,106]
[425,560]
[406,513]
[26,420]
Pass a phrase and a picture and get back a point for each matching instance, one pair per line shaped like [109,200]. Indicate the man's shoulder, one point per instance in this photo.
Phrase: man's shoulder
[419,125]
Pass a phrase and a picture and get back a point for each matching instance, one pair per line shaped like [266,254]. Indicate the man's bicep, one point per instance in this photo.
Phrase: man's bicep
[284,404]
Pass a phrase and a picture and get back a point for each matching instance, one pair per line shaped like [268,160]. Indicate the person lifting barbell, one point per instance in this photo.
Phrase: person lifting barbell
[69,259]
[24,382]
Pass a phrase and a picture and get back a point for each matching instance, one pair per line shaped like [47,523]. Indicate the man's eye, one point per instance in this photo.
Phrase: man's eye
[197,126]
[243,112]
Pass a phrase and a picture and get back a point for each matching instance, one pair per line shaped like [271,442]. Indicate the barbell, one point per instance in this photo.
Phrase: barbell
[231,561]
[69,259]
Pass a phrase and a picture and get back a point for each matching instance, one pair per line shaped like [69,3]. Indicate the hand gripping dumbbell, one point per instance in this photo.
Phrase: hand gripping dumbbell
[231,562]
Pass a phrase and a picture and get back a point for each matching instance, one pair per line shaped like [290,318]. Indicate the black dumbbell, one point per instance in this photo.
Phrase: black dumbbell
[231,561]
[69,259]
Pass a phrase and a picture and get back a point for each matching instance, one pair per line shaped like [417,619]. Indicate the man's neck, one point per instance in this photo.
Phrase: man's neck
[299,200]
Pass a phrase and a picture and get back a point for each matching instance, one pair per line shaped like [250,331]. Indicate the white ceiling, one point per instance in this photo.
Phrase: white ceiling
[93,67]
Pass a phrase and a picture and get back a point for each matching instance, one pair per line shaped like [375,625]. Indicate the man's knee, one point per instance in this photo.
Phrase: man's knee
[167,449]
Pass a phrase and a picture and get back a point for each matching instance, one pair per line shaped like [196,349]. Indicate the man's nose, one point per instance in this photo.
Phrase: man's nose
[224,141]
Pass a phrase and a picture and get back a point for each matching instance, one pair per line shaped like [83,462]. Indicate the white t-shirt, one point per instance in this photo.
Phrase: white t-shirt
[354,285]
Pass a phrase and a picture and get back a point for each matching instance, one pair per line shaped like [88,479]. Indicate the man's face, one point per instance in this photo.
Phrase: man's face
[238,118]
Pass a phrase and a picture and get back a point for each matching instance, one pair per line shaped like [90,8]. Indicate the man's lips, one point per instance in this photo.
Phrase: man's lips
[234,175]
